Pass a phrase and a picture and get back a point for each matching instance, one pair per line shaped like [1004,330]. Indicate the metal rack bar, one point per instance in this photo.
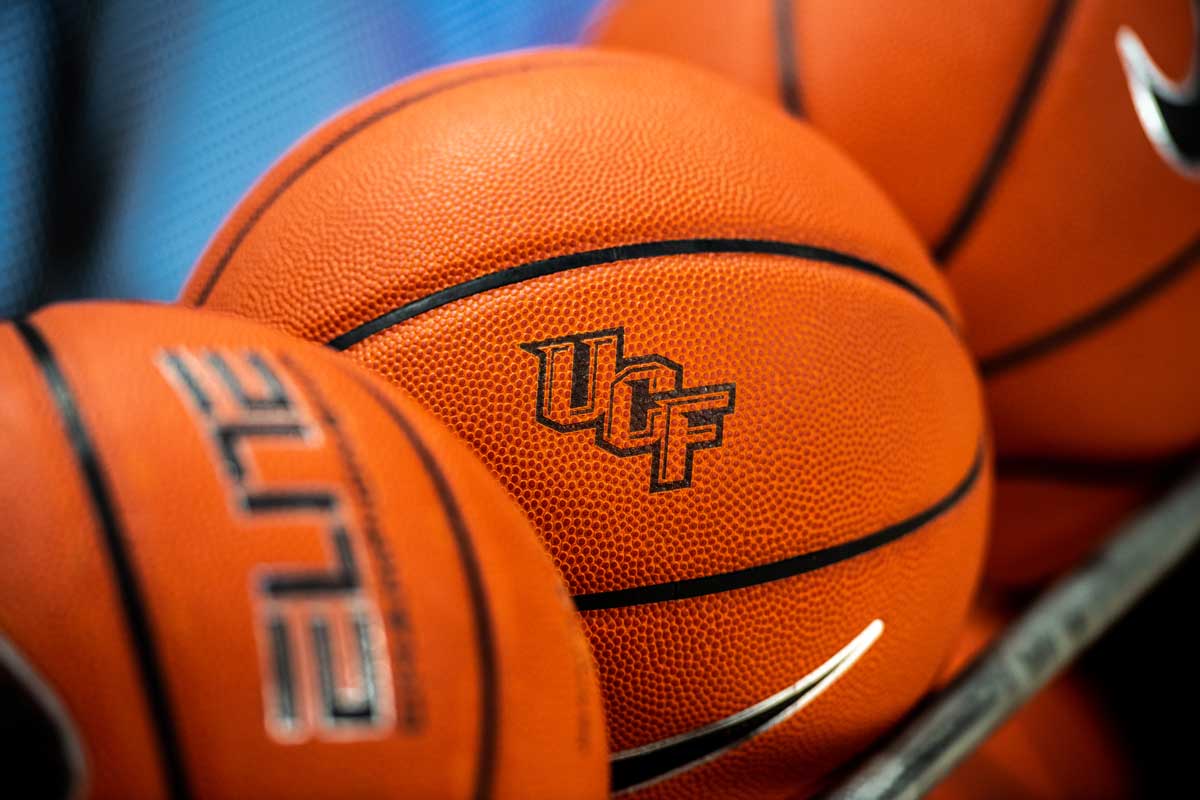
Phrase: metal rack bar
[1040,644]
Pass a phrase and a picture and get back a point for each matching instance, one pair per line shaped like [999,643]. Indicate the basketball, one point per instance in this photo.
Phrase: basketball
[708,358]
[1062,744]
[1047,152]
[238,566]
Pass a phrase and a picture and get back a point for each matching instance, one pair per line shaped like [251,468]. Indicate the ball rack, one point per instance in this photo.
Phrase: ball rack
[1046,638]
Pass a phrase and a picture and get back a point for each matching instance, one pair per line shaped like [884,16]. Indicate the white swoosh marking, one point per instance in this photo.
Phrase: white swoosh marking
[805,690]
[1147,83]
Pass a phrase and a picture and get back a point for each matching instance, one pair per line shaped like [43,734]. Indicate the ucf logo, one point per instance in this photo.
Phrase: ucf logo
[635,405]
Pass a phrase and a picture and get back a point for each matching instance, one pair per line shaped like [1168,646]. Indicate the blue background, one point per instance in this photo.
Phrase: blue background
[135,127]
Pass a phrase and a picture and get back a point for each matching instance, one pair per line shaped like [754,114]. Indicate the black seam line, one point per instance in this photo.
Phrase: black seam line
[1159,279]
[1006,140]
[789,82]
[1099,472]
[342,138]
[630,252]
[484,635]
[785,568]
[132,603]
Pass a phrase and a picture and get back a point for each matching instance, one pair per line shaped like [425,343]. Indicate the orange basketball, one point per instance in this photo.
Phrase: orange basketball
[236,566]
[703,352]
[1048,153]
[1061,745]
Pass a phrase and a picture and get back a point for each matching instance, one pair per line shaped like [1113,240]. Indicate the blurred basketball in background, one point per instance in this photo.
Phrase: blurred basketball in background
[1047,152]
[1061,745]
[236,566]
[700,348]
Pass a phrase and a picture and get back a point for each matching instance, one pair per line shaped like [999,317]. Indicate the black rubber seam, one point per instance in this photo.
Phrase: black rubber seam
[133,604]
[632,252]
[1006,140]
[396,615]
[485,639]
[785,568]
[785,40]
[1158,280]
[1123,472]
[342,138]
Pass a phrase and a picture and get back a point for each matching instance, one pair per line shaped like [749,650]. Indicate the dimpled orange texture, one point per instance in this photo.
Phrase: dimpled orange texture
[1007,133]
[718,236]
[483,684]
[1059,746]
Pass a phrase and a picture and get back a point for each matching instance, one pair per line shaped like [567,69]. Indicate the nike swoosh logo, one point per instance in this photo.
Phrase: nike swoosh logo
[642,766]
[1169,111]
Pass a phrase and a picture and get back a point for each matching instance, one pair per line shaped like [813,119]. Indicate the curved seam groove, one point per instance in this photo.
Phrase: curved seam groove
[789,82]
[115,543]
[484,634]
[1116,472]
[1006,140]
[784,568]
[1159,279]
[631,252]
